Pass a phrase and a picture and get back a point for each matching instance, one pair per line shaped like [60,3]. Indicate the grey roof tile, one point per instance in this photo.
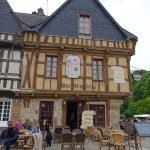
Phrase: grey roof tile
[31,20]
[8,21]
[64,21]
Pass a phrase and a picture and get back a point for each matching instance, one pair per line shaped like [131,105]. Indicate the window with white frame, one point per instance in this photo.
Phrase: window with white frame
[5,111]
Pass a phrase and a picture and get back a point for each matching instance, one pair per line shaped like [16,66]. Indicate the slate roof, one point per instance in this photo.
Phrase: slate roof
[64,21]
[8,21]
[31,21]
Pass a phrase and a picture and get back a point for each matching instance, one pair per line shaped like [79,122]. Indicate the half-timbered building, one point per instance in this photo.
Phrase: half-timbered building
[11,57]
[76,59]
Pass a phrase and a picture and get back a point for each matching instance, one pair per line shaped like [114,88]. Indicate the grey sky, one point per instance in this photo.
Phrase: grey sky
[133,15]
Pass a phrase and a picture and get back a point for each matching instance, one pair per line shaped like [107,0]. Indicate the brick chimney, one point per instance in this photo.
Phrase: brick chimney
[40,11]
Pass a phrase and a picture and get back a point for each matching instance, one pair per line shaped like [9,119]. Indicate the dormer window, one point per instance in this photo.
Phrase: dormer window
[84,25]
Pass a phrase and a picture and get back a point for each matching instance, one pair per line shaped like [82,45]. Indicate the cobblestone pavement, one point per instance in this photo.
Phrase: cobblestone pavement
[89,145]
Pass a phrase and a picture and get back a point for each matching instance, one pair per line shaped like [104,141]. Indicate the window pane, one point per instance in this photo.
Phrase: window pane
[99,67]
[87,31]
[54,75]
[86,25]
[48,63]
[94,63]
[81,24]
[54,65]
[81,19]
[54,59]
[100,75]
[94,77]
[94,67]
[87,20]
[94,72]
[54,70]
[48,58]
[47,74]
[99,62]
[81,30]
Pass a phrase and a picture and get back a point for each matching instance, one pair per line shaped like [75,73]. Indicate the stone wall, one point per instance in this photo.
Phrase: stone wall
[115,112]
[32,112]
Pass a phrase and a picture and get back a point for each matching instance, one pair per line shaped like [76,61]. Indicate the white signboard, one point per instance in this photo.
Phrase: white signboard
[87,119]
[118,74]
[72,66]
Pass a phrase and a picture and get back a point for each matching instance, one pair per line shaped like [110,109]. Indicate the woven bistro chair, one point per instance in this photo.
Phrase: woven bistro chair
[29,142]
[90,133]
[79,141]
[67,141]
[131,143]
[118,141]
[102,141]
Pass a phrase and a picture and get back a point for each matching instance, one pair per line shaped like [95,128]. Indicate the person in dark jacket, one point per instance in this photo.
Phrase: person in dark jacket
[8,136]
[48,133]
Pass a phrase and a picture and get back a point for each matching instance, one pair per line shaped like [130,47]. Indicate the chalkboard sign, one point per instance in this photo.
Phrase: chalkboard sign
[143,129]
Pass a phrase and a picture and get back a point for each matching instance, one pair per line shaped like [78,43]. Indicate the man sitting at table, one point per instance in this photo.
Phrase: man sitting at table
[8,136]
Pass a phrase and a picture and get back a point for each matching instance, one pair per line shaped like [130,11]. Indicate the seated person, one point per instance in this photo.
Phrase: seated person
[8,136]
[35,128]
[27,125]
[17,126]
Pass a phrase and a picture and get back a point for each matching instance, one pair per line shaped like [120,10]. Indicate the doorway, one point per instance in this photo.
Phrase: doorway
[74,114]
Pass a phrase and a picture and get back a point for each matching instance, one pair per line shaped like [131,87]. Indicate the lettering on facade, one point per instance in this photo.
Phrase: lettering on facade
[78,86]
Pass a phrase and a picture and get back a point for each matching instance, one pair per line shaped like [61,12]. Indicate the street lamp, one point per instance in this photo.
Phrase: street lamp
[136,76]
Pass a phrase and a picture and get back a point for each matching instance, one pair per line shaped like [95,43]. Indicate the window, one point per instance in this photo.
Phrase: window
[51,66]
[5,111]
[97,70]
[84,25]
[46,111]
[99,118]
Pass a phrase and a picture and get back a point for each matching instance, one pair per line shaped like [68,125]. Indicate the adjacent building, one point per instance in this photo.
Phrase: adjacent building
[11,55]
[74,60]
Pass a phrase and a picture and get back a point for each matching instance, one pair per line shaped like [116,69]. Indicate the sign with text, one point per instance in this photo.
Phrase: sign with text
[87,119]
[118,74]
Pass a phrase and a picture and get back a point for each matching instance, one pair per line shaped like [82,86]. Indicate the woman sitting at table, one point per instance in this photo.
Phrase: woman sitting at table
[36,128]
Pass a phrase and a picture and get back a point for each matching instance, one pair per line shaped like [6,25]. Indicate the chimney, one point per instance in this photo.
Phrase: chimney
[40,11]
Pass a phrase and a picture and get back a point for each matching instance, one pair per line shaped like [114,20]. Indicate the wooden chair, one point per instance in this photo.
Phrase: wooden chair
[76,131]
[67,141]
[118,131]
[118,141]
[57,134]
[90,133]
[131,143]
[29,142]
[79,141]
[44,144]
[20,141]
[102,141]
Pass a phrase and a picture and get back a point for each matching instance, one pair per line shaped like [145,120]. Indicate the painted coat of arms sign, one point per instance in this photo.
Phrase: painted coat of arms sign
[72,66]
